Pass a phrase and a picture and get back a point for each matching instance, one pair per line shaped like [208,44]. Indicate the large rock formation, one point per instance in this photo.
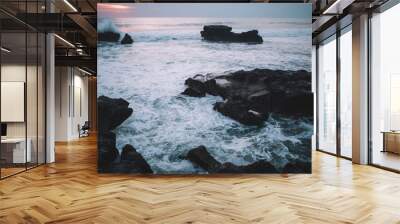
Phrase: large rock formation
[221,33]
[250,96]
[108,36]
[127,39]
[201,157]
[111,114]
[131,162]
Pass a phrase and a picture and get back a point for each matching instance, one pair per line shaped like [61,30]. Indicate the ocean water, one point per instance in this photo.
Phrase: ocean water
[165,125]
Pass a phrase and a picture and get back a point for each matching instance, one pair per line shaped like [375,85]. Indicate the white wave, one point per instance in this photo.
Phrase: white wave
[106,25]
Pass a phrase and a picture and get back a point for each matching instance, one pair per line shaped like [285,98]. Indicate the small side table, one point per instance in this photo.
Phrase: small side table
[391,141]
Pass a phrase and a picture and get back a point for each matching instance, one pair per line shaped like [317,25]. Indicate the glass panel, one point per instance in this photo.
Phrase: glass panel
[13,87]
[32,89]
[327,96]
[41,99]
[385,84]
[346,94]
[23,90]
[31,98]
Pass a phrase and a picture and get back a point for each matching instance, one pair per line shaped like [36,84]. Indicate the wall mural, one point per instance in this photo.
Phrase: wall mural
[204,88]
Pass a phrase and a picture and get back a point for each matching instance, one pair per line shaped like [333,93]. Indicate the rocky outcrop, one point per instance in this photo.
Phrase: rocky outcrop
[250,96]
[196,88]
[241,111]
[111,114]
[221,33]
[201,157]
[107,152]
[131,162]
[127,39]
[108,36]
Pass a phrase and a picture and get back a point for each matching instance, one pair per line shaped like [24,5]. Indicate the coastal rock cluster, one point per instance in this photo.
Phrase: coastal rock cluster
[202,158]
[213,33]
[112,113]
[251,96]
[222,33]
[110,36]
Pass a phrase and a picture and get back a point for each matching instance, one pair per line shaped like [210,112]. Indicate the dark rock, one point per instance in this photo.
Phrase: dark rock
[107,152]
[127,39]
[221,33]
[196,88]
[297,166]
[194,92]
[213,89]
[298,104]
[229,168]
[108,36]
[201,157]
[261,166]
[217,29]
[241,112]
[128,167]
[112,112]
[250,96]
[134,160]
[196,83]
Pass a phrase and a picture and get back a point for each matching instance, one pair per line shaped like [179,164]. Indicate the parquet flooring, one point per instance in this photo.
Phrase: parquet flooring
[71,191]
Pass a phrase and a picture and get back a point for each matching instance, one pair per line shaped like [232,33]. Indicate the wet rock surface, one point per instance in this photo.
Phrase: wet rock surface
[221,33]
[250,96]
[108,36]
[202,158]
[127,39]
[111,114]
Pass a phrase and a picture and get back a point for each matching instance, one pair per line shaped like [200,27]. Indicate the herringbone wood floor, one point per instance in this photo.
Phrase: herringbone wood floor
[71,191]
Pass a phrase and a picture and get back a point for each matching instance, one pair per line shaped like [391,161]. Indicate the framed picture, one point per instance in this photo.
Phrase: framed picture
[204,88]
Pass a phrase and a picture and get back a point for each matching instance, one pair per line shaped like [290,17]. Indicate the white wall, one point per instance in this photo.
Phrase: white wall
[62,81]
[71,102]
[81,104]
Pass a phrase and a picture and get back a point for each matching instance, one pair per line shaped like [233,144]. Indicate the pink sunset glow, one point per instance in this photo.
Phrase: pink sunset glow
[115,10]
[112,7]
